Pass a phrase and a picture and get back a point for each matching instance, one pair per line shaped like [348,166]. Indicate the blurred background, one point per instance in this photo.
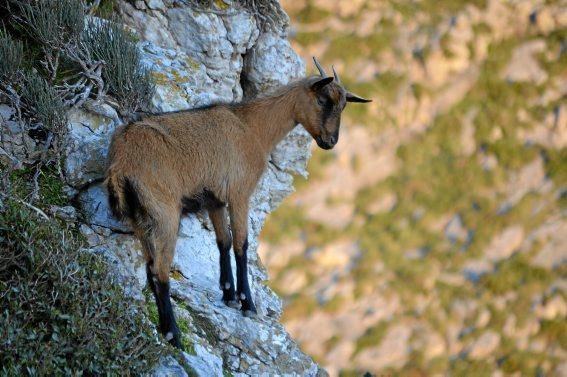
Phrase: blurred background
[433,238]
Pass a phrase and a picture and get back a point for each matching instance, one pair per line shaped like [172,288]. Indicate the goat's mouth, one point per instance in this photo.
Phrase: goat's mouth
[324,144]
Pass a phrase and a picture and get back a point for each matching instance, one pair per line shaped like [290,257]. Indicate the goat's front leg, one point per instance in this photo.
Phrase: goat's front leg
[239,223]
[219,219]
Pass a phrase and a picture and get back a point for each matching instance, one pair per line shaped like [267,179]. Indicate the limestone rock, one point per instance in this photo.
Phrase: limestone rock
[87,144]
[485,345]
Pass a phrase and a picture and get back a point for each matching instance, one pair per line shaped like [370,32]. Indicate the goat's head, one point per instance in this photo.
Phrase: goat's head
[320,111]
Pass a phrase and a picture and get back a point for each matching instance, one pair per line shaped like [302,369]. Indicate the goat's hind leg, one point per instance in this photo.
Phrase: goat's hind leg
[219,219]
[159,248]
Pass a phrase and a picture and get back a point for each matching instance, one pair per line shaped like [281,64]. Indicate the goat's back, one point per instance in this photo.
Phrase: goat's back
[178,155]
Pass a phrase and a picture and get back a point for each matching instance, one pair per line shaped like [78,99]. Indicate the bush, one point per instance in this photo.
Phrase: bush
[125,77]
[52,23]
[11,56]
[43,105]
[61,313]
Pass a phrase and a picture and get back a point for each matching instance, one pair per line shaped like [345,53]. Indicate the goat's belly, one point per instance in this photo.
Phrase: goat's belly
[203,200]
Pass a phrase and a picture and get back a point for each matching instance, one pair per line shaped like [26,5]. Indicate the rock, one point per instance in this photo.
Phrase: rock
[551,309]
[269,52]
[169,367]
[204,363]
[485,345]
[523,65]
[337,255]
[483,318]
[94,203]
[67,213]
[455,231]
[382,204]
[503,245]
[393,351]
[155,4]
[87,145]
[553,235]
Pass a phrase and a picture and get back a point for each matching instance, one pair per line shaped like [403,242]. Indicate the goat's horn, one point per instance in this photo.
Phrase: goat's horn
[321,70]
[337,78]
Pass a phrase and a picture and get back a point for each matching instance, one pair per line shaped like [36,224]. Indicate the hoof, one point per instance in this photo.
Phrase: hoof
[174,341]
[249,314]
[232,304]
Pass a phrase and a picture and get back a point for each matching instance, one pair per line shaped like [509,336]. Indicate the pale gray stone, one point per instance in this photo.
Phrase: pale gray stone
[87,145]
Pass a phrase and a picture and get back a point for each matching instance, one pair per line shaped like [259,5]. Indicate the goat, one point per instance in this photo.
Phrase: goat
[211,158]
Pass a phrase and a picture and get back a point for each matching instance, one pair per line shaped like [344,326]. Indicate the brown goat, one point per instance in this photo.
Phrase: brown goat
[169,164]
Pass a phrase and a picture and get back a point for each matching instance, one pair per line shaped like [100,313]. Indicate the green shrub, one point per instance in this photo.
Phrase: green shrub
[52,23]
[125,77]
[43,104]
[11,56]
[61,313]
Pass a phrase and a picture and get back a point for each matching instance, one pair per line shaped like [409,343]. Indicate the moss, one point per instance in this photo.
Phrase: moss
[513,273]
[463,367]
[300,305]
[311,14]
[151,307]
[554,331]
[220,4]
[307,38]
[185,329]
[372,337]
[555,167]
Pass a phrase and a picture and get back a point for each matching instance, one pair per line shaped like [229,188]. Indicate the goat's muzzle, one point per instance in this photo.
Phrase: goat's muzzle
[326,144]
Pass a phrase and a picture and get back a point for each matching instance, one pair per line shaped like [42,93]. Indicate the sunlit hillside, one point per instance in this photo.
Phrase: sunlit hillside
[433,238]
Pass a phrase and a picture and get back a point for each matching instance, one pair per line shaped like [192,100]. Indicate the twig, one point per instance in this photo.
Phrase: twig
[37,210]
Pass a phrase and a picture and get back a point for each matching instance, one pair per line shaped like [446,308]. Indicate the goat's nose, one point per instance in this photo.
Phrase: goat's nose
[333,140]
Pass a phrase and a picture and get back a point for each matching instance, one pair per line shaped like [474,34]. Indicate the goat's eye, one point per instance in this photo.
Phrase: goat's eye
[320,101]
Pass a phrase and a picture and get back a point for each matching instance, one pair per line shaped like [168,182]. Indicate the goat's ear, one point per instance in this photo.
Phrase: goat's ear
[351,97]
[317,85]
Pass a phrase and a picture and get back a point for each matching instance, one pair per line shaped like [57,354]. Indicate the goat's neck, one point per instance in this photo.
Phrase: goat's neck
[271,119]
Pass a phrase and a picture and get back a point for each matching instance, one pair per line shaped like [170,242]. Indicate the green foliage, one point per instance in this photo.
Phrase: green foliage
[126,78]
[52,23]
[50,186]
[43,104]
[372,337]
[62,313]
[11,56]
[512,274]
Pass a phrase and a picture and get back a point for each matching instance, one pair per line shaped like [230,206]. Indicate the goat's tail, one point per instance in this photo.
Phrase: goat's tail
[124,197]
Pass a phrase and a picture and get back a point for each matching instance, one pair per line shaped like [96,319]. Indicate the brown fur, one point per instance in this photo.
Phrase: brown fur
[166,163]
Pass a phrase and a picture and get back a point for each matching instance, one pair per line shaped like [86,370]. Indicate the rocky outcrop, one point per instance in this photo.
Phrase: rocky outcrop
[198,58]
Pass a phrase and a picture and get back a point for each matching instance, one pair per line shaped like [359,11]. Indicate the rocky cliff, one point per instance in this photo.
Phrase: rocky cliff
[198,57]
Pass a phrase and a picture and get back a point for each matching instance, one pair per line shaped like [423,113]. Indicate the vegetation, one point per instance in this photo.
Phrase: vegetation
[62,311]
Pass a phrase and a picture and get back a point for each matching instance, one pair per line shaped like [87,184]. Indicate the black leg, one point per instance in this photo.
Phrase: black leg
[226,280]
[248,308]
[167,324]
